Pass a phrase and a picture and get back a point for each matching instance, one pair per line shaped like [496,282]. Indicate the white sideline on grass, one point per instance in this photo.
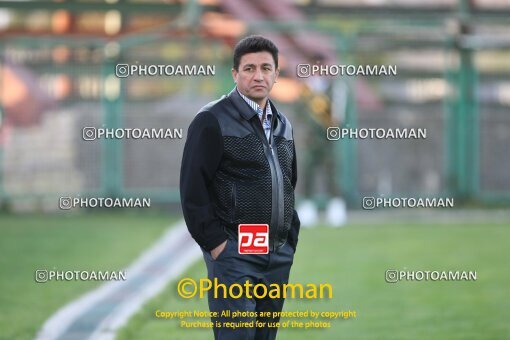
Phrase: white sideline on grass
[59,322]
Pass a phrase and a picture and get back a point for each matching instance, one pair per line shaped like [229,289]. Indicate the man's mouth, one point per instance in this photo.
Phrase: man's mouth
[259,87]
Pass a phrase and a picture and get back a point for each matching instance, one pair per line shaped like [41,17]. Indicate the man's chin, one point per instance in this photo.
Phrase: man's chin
[258,95]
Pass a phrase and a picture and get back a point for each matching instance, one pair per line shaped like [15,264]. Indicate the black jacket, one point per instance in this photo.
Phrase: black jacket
[230,174]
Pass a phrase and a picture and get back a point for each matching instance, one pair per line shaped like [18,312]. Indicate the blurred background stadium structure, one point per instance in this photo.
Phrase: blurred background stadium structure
[57,75]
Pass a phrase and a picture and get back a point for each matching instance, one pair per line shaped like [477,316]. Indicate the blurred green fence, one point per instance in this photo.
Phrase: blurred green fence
[453,80]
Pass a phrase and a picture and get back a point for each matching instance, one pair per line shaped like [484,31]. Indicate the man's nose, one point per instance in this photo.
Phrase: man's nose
[258,75]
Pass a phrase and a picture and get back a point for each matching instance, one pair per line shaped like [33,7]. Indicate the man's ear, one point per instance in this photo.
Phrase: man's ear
[277,73]
[234,75]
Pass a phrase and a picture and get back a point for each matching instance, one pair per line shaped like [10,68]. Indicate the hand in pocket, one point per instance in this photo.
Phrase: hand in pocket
[218,250]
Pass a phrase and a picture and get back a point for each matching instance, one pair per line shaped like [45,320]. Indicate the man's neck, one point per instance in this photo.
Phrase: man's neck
[260,102]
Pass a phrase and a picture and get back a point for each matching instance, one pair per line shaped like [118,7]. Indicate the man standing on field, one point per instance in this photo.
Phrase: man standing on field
[239,167]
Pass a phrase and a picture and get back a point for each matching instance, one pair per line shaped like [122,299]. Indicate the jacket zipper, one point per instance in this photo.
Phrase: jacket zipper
[275,212]
[277,193]
[280,204]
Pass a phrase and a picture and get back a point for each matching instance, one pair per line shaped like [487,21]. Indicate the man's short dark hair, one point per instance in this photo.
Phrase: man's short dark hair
[254,44]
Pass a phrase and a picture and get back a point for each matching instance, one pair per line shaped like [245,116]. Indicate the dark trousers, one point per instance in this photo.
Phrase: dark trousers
[231,267]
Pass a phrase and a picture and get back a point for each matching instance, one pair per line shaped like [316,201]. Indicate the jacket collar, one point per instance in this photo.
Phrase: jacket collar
[244,109]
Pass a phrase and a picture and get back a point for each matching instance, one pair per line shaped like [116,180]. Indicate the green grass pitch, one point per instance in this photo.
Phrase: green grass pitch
[353,259]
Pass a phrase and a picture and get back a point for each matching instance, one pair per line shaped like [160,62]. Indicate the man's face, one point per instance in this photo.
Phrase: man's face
[256,76]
